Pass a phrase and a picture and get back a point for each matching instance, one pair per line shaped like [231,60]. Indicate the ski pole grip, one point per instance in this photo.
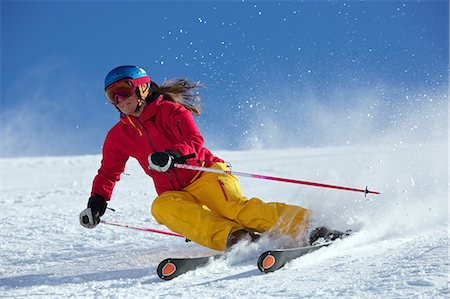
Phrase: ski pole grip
[183,159]
[188,156]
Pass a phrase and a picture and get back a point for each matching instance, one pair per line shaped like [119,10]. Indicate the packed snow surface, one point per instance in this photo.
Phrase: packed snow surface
[399,248]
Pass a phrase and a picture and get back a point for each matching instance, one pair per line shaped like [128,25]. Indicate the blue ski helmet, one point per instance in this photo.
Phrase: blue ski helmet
[127,71]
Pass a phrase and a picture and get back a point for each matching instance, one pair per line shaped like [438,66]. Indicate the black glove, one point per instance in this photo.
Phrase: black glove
[163,161]
[90,217]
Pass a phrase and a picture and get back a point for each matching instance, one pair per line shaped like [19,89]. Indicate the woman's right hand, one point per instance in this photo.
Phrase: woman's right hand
[90,217]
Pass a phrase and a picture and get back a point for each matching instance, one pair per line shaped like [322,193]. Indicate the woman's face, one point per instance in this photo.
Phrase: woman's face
[128,106]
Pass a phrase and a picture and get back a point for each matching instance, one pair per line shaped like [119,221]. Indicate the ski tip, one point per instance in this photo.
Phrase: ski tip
[266,262]
[166,269]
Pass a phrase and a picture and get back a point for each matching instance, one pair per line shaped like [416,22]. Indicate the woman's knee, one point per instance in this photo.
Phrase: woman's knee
[156,206]
[169,201]
[161,204]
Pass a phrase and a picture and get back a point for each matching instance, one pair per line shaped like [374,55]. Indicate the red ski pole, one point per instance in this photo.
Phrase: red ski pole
[265,177]
[142,228]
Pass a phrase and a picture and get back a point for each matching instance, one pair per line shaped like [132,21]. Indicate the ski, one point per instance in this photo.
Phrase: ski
[173,267]
[273,260]
[269,261]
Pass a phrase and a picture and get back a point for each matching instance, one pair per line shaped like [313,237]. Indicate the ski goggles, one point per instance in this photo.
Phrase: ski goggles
[123,89]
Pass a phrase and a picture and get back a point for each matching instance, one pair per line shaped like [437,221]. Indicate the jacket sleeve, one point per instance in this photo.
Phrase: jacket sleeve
[112,166]
[188,138]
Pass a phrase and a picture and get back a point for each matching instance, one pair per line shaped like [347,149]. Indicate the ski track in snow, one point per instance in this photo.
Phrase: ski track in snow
[399,248]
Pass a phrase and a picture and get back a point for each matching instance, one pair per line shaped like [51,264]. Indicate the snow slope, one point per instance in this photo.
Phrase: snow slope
[399,250]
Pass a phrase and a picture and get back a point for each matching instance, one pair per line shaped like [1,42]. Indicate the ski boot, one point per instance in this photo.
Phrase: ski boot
[324,234]
[240,235]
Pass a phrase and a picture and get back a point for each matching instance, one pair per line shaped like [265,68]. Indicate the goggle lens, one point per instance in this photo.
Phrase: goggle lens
[122,89]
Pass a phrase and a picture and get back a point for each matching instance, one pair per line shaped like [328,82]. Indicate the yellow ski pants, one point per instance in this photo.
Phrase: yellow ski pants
[212,207]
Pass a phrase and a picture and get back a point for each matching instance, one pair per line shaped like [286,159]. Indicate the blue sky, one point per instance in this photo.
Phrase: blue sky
[277,73]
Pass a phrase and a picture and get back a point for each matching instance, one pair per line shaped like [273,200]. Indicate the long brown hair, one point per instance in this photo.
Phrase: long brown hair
[181,91]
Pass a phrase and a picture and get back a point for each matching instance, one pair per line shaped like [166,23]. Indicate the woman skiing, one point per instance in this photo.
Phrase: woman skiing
[157,128]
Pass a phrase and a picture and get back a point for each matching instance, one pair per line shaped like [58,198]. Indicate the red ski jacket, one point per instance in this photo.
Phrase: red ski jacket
[162,126]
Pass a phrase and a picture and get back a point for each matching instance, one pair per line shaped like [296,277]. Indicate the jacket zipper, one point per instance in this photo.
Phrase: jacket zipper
[178,126]
[170,180]
[153,148]
[178,179]
[146,134]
